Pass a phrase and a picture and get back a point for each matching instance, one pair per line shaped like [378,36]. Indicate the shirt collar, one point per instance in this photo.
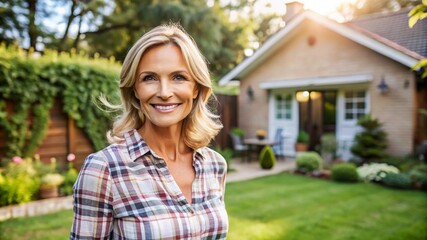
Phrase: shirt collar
[137,147]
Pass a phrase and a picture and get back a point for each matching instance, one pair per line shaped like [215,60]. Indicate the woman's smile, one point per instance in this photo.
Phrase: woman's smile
[165,108]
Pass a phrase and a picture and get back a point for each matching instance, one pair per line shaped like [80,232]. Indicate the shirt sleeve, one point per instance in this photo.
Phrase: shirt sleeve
[93,211]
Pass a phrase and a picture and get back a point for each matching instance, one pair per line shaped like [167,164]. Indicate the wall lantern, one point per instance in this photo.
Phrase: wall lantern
[383,86]
[250,93]
[302,96]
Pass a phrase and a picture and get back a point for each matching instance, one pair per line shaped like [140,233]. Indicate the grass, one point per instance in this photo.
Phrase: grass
[295,207]
[287,207]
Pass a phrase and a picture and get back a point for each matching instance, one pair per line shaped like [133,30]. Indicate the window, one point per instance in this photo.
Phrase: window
[284,106]
[355,104]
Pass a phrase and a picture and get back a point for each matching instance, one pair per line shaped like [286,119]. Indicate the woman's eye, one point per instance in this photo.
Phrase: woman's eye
[180,78]
[149,78]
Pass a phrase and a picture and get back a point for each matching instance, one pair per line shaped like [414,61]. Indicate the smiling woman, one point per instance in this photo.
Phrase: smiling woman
[157,180]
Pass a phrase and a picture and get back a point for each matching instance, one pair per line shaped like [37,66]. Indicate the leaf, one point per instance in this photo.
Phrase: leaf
[413,20]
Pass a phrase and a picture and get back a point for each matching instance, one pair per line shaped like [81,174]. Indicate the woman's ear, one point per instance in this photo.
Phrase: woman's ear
[195,92]
[135,93]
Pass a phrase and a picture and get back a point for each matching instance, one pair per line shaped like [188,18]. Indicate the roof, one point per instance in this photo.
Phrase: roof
[354,31]
[394,27]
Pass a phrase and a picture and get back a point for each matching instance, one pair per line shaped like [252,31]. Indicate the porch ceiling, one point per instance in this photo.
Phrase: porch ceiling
[318,81]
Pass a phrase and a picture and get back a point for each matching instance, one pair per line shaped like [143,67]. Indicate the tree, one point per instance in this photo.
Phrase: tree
[370,144]
[19,19]
[221,41]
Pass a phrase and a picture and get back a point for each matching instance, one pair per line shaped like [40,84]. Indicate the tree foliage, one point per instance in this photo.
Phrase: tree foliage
[110,27]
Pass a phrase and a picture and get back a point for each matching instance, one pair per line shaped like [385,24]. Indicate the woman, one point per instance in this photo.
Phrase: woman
[157,179]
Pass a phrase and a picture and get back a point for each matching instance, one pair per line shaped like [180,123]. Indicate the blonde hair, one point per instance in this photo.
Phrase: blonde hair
[201,125]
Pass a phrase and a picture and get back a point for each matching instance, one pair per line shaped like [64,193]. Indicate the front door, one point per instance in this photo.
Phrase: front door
[317,114]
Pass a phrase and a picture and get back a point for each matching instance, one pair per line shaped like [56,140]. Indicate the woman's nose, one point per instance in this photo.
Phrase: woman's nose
[165,89]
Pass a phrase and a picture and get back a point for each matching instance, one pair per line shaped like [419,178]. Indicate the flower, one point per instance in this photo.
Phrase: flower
[71,157]
[17,160]
[261,133]
[52,180]
[375,171]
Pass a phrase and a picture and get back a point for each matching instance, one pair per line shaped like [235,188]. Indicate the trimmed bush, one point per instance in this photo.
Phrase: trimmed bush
[267,160]
[309,161]
[397,180]
[344,172]
[418,176]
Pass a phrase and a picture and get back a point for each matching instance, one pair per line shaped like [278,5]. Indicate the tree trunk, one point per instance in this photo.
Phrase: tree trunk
[32,28]
[67,28]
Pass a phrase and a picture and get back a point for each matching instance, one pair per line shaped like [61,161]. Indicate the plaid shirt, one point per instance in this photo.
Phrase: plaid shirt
[126,191]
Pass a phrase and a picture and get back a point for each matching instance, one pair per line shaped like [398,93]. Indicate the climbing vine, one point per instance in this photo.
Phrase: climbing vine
[29,86]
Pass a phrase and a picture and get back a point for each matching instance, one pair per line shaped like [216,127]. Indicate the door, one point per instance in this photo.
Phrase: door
[317,114]
[284,114]
[352,104]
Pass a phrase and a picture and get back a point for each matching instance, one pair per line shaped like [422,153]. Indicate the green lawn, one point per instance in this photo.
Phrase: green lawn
[288,207]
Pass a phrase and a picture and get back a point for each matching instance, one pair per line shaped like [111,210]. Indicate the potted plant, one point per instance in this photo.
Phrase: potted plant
[260,134]
[50,184]
[302,141]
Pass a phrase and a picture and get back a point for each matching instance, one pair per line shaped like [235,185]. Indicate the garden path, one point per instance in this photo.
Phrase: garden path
[244,170]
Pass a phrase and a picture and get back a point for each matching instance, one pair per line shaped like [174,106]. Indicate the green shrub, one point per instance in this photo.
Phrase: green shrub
[303,137]
[18,183]
[267,159]
[70,178]
[328,146]
[404,163]
[309,161]
[397,180]
[344,172]
[418,176]
[238,132]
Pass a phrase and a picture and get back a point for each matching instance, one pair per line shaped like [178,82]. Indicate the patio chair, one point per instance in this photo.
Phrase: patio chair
[238,146]
[278,147]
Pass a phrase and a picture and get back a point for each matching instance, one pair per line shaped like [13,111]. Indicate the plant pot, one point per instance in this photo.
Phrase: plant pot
[301,147]
[260,137]
[48,192]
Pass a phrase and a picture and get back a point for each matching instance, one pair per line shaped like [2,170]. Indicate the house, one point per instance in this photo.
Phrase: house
[321,76]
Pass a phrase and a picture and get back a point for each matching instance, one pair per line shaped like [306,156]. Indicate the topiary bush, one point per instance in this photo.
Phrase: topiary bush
[344,172]
[308,161]
[267,160]
[397,180]
[371,143]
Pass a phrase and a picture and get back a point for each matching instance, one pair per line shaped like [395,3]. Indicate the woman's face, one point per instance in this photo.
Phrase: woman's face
[164,86]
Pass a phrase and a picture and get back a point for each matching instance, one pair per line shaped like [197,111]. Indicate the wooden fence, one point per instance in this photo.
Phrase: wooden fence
[227,109]
[64,137]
